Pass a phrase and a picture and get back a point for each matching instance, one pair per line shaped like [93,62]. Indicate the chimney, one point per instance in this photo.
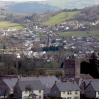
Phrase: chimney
[73,81]
[55,82]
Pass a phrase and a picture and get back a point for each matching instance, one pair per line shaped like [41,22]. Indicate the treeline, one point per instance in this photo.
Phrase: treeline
[10,65]
[91,66]
[51,48]
[89,14]
[70,10]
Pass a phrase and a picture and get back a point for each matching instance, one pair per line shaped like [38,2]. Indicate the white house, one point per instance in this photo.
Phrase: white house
[29,89]
[66,90]
[92,90]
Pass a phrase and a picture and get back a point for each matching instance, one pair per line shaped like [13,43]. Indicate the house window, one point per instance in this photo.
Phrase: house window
[68,97]
[39,97]
[98,92]
[63,92]
[76,97]
[69,92]
[39,91]
[26,92]
[63,98]
[75,92]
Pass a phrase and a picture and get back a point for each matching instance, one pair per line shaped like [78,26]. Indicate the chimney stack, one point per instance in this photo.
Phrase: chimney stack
[55,82]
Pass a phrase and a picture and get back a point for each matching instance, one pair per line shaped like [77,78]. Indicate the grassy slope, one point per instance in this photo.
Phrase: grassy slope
[6,24]
[57,19]
[78,33]
[97,21]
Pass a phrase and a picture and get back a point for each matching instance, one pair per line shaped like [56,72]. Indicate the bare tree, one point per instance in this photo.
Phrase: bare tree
[29,88]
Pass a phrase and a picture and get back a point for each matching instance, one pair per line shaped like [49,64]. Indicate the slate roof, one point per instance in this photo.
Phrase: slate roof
[86,76]
[77,80]
[47,88]
[44,79]
[67,86]
[10,82]
[87,81]
[36,84]
[48,80]
[95,85]
[28,78]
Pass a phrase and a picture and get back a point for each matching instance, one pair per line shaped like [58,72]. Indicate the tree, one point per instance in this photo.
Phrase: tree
[5,92]
[9,64]
[29,88]
[94,65]
[85,67]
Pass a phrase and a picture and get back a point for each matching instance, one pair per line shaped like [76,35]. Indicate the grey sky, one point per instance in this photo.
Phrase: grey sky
[22,0]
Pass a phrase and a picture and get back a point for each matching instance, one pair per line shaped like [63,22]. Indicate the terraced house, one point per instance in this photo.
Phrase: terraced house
[66,90]
[29,89]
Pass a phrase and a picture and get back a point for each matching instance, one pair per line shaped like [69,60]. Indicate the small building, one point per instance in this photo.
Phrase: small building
[66,90]
[29,89]
[72,67]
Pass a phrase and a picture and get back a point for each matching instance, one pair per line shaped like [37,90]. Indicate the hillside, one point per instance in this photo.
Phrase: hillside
[89,14]
[60,17]
[6,24]
[79,33]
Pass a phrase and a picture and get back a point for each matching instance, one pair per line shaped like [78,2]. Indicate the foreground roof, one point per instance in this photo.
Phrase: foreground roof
[95,85]
[10,82]
[67,86]
[36,85]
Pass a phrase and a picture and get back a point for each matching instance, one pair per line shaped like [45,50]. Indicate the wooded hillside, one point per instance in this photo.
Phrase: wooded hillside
[89,14]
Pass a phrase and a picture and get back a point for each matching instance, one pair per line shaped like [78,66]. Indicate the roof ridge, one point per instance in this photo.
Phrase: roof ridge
[28,80]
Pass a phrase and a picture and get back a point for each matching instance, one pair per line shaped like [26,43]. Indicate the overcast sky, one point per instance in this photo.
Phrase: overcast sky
[22,0]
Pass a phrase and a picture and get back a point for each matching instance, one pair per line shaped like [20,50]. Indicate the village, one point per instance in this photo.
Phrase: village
[32,43]
[44,43]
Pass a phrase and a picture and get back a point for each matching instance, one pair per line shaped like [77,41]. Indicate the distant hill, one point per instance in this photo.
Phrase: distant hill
[72,3]
[51,5]
[31,7]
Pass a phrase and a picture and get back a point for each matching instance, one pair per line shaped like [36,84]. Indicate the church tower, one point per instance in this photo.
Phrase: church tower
[72,68]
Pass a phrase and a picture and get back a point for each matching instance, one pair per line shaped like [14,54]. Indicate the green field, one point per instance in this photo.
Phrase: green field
[57,19]
[7,24]
[97,21]
[79,33]
[1,63]
[2,16]
[42,37]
